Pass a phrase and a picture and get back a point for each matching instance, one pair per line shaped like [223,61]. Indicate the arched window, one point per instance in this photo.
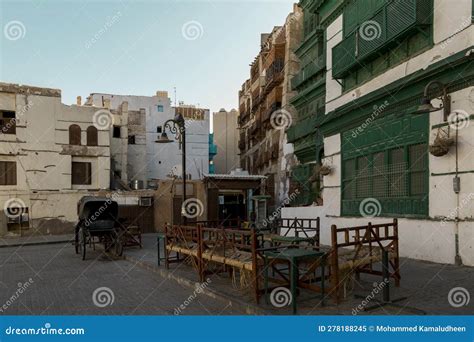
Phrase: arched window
[74,135]
[92,136]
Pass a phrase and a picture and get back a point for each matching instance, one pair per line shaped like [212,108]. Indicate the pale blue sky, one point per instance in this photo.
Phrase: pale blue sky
[136,47]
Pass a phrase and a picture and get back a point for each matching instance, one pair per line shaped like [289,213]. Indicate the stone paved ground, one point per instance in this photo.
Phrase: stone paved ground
[425,284]
[39,239]
[64,284]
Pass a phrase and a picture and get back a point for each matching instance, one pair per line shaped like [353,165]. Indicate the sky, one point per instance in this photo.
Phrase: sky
[203,48]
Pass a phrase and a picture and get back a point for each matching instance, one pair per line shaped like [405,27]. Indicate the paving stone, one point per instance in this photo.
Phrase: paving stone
[63,284]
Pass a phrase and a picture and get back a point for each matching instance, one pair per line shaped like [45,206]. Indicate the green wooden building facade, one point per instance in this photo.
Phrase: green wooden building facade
[387,160]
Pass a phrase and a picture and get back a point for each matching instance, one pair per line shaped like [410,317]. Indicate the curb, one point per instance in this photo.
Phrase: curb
[249,309]
[38,243]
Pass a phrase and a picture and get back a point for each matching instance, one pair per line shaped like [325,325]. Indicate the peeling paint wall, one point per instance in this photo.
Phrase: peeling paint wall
[40,147]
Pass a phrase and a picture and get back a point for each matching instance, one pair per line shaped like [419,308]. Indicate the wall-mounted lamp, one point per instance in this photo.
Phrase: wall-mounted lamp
[427,107]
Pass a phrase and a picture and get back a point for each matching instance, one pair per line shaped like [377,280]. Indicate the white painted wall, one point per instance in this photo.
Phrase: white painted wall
[43,156]
[41,144]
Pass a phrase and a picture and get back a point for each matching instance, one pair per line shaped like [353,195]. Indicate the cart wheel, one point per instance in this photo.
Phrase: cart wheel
[117,243]
[118,246]
[83,242]
[106,244]
[76,240]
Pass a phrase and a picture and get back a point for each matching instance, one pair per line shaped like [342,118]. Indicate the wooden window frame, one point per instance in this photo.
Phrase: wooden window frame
[8,124]
[75,133]
[88,170]
[372,191]
[92,136]
[8,173]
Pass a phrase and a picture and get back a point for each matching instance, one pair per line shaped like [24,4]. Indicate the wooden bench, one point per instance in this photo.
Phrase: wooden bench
[229,247]
[358,249]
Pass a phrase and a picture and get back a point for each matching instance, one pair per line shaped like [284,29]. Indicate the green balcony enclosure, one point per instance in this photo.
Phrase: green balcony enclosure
[389,24]
[309,71]
[301,129]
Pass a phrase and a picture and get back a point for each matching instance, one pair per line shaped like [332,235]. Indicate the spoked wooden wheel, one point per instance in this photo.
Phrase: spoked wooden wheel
[82,242]
[76,240]
[118,245]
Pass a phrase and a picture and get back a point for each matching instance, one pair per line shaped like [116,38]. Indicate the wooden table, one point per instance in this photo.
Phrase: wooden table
[294,256]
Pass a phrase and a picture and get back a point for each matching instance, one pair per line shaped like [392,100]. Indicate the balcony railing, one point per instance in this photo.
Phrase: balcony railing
[392,22]
[274,71]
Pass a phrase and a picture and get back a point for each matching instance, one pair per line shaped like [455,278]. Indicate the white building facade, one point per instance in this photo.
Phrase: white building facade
[51,155]
[378,151]
[226,138]
[148,161]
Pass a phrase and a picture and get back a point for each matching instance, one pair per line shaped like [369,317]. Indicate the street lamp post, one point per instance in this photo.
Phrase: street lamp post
[177,127]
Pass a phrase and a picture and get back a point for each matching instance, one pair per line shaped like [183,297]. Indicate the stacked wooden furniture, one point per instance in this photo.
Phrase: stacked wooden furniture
[353,250]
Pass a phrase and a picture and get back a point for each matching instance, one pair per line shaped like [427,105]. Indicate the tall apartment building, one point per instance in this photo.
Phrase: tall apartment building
[226,138]
[139,121]
[364,144]
[51,155]
[265,109]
